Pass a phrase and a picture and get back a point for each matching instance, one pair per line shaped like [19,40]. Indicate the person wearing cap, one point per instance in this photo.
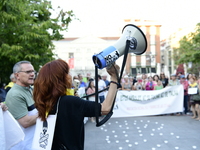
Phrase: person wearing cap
[185,84]
[179,75]
[173,80]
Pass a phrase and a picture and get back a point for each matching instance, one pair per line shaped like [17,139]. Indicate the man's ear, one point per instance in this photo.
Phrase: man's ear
[16,75]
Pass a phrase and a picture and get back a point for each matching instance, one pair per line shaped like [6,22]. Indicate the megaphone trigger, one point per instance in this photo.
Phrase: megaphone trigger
[133,44]
[109,66]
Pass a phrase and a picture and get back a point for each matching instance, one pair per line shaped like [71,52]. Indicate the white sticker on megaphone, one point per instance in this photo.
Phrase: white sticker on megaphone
[112,57]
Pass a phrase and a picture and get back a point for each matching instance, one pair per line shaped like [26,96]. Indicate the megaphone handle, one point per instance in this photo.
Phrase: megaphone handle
[96,89]
[96,101]
[125,58]
[104,120]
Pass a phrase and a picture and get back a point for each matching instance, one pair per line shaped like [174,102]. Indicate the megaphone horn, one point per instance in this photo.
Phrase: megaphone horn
[138,45]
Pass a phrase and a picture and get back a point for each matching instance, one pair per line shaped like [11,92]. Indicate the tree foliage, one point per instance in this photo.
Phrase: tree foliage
[189,49]
[195,69]
[27,31]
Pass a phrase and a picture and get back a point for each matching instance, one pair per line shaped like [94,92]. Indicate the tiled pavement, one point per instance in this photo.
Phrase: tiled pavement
[144,133]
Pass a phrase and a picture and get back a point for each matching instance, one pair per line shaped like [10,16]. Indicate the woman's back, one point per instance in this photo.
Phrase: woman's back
[69,129]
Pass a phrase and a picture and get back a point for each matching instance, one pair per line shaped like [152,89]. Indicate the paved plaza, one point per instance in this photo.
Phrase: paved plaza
[144,133]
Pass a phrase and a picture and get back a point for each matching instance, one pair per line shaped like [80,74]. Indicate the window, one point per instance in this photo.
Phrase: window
[153,70]
[134,72]
[163,58]
[144,70]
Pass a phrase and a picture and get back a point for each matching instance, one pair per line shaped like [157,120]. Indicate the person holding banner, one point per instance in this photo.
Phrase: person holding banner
[155,79]
[127,85]
[3,106]
[150,84]
[138,85]
[159,85]
[49,88]
[163,79]
[194,91]
[185,87]
[19,100]
[173,80]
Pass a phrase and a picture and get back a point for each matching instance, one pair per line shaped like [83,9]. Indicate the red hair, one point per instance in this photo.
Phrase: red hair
[51,83]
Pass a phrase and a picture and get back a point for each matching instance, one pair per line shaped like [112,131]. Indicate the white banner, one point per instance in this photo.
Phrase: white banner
[145,103]
[10,131]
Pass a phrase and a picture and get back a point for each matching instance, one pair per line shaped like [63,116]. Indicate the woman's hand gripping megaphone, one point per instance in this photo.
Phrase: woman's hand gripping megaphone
[113,70]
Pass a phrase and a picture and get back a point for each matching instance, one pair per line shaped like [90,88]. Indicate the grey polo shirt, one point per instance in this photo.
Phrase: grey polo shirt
[19,100]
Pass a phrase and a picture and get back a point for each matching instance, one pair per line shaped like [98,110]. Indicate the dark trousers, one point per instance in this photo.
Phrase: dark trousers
[101,98]
[185,104]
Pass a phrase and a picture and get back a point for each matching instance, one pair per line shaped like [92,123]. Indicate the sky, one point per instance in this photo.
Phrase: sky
[104,17]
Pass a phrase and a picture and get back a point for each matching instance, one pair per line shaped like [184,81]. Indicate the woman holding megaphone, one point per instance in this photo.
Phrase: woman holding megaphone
[50,87]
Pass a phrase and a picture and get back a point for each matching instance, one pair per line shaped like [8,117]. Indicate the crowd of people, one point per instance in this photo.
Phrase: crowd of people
[143,82]
[156,82]
[28,98]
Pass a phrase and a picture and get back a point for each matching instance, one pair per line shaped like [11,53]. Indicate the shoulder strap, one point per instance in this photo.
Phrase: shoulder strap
[58,104]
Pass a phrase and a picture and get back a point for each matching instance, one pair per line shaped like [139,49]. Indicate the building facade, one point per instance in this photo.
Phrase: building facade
[78,52]
[168,65]
[149,62]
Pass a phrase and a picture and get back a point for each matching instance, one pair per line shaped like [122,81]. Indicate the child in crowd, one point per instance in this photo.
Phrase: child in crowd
[159,85]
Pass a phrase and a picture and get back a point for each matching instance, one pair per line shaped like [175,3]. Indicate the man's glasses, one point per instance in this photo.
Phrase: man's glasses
[28,72]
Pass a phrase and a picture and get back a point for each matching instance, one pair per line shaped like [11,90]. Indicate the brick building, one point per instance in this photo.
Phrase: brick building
[79,51]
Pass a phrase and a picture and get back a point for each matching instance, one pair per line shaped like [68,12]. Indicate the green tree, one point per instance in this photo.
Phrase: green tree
[189,49]
[27,31]
[195,69]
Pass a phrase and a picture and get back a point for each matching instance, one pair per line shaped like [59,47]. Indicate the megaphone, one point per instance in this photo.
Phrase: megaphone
[138,45]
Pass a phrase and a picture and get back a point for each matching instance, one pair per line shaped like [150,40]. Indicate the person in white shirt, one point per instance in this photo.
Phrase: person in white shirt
[101,86]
